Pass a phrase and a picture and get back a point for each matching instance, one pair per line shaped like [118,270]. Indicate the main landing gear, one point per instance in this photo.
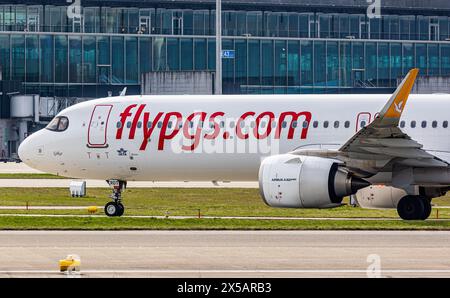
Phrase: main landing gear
[414,207]
[116,207]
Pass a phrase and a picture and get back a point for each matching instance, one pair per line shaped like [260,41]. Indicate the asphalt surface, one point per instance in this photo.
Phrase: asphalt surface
[228,253]
[65,183]
[17,168]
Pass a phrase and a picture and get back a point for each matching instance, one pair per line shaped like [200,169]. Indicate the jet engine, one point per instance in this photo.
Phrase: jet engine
[296,181]
[379,197]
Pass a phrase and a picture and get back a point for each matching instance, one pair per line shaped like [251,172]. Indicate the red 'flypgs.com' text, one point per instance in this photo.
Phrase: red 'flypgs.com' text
[171,124]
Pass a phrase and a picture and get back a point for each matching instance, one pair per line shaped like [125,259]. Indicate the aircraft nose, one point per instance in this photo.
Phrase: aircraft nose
[25,150]
[30,151]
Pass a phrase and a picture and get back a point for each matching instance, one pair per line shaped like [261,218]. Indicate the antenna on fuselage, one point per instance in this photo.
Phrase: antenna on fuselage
[123,92]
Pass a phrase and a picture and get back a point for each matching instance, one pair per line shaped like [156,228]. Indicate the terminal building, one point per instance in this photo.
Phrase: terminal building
[54,53]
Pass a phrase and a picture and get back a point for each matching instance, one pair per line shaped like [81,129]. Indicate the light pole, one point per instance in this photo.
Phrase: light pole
[218,87]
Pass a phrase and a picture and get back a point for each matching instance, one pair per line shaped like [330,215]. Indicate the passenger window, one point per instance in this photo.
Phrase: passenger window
[263,124]
[283,124]
[316,124]
[424,124]
[363,124]
[169,125]
[347,124]
[305,124]
[413,124]
[232,124]
[336,124]
[294,124]
[128,124]
[119,124]
[402,124]
[445,124]
[325,124]
[159,124]
[434,124]
[139,124]
[149,124]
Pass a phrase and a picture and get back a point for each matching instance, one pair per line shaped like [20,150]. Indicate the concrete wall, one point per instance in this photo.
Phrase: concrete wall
[177,82]
[4,137]
[429,85]
[9,138]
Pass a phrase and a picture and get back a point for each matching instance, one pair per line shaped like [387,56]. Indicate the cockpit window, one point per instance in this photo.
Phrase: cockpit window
[63,122]
[59,123]
[53,125]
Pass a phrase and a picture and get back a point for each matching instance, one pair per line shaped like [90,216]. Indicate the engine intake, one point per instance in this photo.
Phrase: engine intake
[296,181]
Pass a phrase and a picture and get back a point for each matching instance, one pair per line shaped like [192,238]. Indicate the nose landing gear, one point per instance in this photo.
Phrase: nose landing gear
[116,207]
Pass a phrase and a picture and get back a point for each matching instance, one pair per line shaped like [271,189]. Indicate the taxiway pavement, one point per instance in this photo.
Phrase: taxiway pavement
[228,253]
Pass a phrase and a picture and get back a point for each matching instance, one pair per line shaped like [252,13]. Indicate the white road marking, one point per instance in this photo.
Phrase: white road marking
[64,183]
[46,207]
[216,217]
[232,271]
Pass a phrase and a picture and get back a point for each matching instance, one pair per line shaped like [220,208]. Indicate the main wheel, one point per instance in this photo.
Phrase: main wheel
[112,209]
[120,209]
[427,208]
[411,208]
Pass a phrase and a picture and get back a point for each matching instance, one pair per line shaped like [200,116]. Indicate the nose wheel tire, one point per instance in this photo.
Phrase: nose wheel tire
[114,209]
[414,208]
[121,209]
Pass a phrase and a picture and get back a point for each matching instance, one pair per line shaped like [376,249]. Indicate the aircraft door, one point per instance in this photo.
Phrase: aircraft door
[98,126]
[363,120]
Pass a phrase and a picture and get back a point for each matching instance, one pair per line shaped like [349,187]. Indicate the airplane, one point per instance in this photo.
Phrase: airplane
[306,151]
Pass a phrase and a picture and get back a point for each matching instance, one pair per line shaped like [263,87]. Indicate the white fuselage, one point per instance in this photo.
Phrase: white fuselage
[131,138]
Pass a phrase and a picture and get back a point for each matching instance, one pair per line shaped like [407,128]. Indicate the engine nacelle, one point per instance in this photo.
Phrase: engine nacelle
[379,197]
[296,181]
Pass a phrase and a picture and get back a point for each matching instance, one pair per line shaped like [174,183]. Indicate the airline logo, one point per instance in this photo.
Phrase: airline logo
[171,125]
[400,97]
[399,107]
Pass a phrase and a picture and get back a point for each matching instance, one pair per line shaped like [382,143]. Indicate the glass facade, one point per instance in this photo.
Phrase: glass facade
[107,48]
[133,20]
